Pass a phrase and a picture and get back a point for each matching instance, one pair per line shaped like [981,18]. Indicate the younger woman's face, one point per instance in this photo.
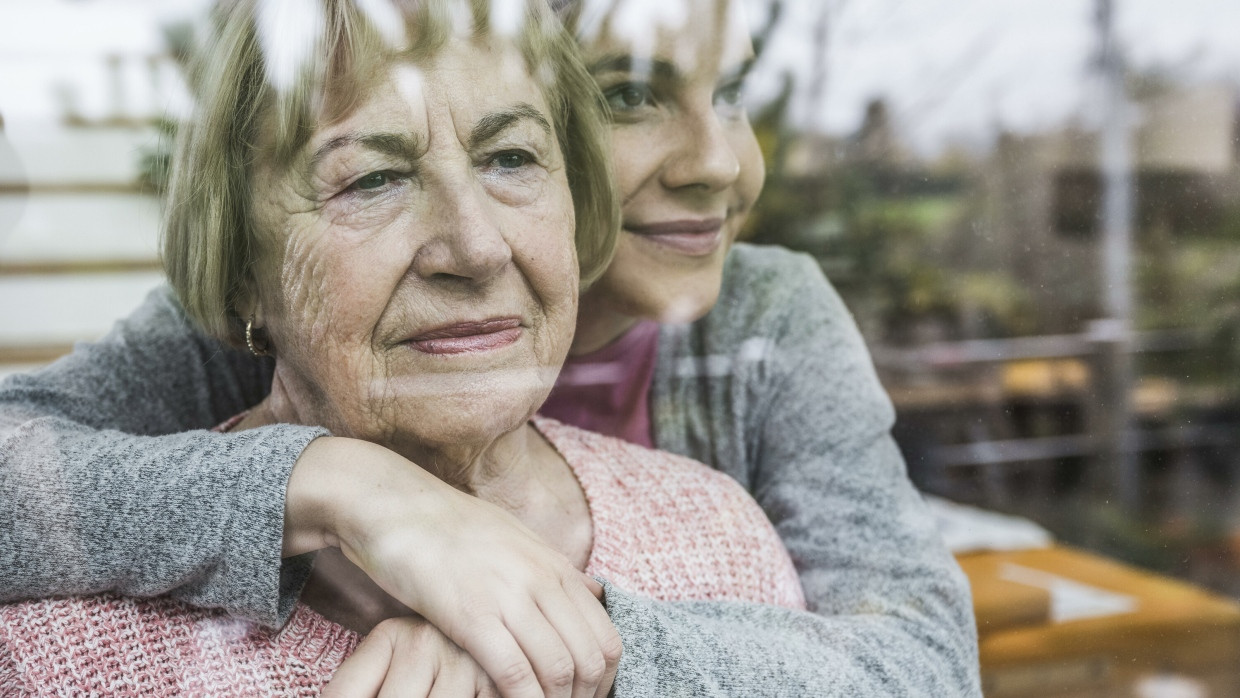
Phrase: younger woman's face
[687,163]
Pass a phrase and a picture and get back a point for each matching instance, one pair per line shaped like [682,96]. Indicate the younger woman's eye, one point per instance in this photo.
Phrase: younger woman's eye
[729,99]
[732,95]
[629,96]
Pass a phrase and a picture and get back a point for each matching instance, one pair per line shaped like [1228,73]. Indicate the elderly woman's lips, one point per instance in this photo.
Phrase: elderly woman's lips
[694,237]
[465,337]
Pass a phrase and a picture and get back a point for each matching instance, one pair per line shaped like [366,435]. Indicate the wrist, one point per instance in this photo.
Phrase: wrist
[342,489]
[311,498]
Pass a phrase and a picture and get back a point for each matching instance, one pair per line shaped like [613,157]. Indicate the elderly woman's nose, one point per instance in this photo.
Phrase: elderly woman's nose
[466,240]
[702,155]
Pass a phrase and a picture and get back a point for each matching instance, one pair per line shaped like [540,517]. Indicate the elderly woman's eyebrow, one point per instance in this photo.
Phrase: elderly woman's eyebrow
[494,123]
[400,145]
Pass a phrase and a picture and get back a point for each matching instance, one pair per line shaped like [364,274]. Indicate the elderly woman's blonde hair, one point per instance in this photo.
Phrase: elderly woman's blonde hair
[210,243]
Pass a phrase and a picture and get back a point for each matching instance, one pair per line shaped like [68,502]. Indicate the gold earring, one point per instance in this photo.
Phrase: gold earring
[249,339]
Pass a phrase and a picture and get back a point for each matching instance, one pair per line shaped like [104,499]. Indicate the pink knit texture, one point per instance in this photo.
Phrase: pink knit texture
[664,526]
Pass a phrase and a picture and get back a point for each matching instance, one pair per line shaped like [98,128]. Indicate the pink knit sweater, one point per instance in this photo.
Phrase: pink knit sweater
[664,526]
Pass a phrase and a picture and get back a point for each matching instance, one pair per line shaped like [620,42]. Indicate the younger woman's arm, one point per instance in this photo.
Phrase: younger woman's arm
[109,479]
[780,361]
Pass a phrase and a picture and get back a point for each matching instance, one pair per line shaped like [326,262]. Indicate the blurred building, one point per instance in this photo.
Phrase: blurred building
[1042,195]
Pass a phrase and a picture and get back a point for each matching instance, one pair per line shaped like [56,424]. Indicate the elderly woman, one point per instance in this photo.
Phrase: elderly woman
[401,227]
[769,384]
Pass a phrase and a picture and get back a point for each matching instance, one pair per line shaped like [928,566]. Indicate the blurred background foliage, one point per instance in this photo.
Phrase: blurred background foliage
[976,276]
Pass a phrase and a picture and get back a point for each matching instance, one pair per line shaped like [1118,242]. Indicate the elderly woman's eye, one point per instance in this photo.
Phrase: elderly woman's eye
[511,159]
[374,180]
[629,96]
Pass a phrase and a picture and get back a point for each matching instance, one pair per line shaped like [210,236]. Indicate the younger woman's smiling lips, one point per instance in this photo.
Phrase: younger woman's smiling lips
[468,337]
[695,237]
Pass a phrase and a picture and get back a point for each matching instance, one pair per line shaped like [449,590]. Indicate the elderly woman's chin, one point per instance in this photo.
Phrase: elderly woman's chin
[445,411]
[440,401]
[427,388]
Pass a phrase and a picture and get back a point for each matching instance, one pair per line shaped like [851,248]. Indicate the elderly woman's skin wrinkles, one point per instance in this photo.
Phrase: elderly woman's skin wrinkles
[360,271]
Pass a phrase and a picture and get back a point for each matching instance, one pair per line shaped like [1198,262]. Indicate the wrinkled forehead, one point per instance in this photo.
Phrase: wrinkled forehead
[463,73]
[322,66]
[695,35]
[444,96]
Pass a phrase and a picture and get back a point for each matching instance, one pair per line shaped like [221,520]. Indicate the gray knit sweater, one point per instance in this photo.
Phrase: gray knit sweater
[102,487]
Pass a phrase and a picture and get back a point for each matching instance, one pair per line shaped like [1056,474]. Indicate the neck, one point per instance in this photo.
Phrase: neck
[598,324]
[522,473]
[506,464]
[471,459]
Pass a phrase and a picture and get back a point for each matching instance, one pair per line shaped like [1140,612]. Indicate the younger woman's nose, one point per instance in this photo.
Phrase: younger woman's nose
[702,155]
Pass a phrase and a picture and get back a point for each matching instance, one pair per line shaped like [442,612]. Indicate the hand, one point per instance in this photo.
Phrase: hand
[408,657]
[530,619]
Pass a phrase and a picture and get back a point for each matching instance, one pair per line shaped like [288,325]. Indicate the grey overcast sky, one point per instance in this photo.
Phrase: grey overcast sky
[958,68]
[950,68]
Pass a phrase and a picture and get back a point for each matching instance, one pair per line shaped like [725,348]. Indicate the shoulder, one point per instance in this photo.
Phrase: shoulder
[756,262]
[160,324]
[773,304]
[161,305]
[159,321]
[157,334]
[624,481]
[671,528]
[770,271]
[767,288]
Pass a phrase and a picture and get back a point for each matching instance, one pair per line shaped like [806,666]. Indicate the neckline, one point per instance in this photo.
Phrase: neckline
[633,337]
[556,433]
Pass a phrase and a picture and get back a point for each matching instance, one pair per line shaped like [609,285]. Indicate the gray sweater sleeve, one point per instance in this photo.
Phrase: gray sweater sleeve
[775,387]
[701,648]
[109,479]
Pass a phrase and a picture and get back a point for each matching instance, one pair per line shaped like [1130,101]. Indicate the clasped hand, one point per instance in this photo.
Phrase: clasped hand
[504,612]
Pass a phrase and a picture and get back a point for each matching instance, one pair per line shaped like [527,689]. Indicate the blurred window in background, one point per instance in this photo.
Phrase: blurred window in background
[87,93]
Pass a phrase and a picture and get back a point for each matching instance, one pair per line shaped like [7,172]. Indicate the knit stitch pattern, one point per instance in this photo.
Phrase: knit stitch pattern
[665,526]
[670,528]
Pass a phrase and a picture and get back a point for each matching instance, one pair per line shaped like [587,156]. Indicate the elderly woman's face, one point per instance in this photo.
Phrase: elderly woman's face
[419,279]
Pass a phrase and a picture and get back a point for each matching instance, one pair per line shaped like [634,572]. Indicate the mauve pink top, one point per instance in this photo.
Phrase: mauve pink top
[608,391]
